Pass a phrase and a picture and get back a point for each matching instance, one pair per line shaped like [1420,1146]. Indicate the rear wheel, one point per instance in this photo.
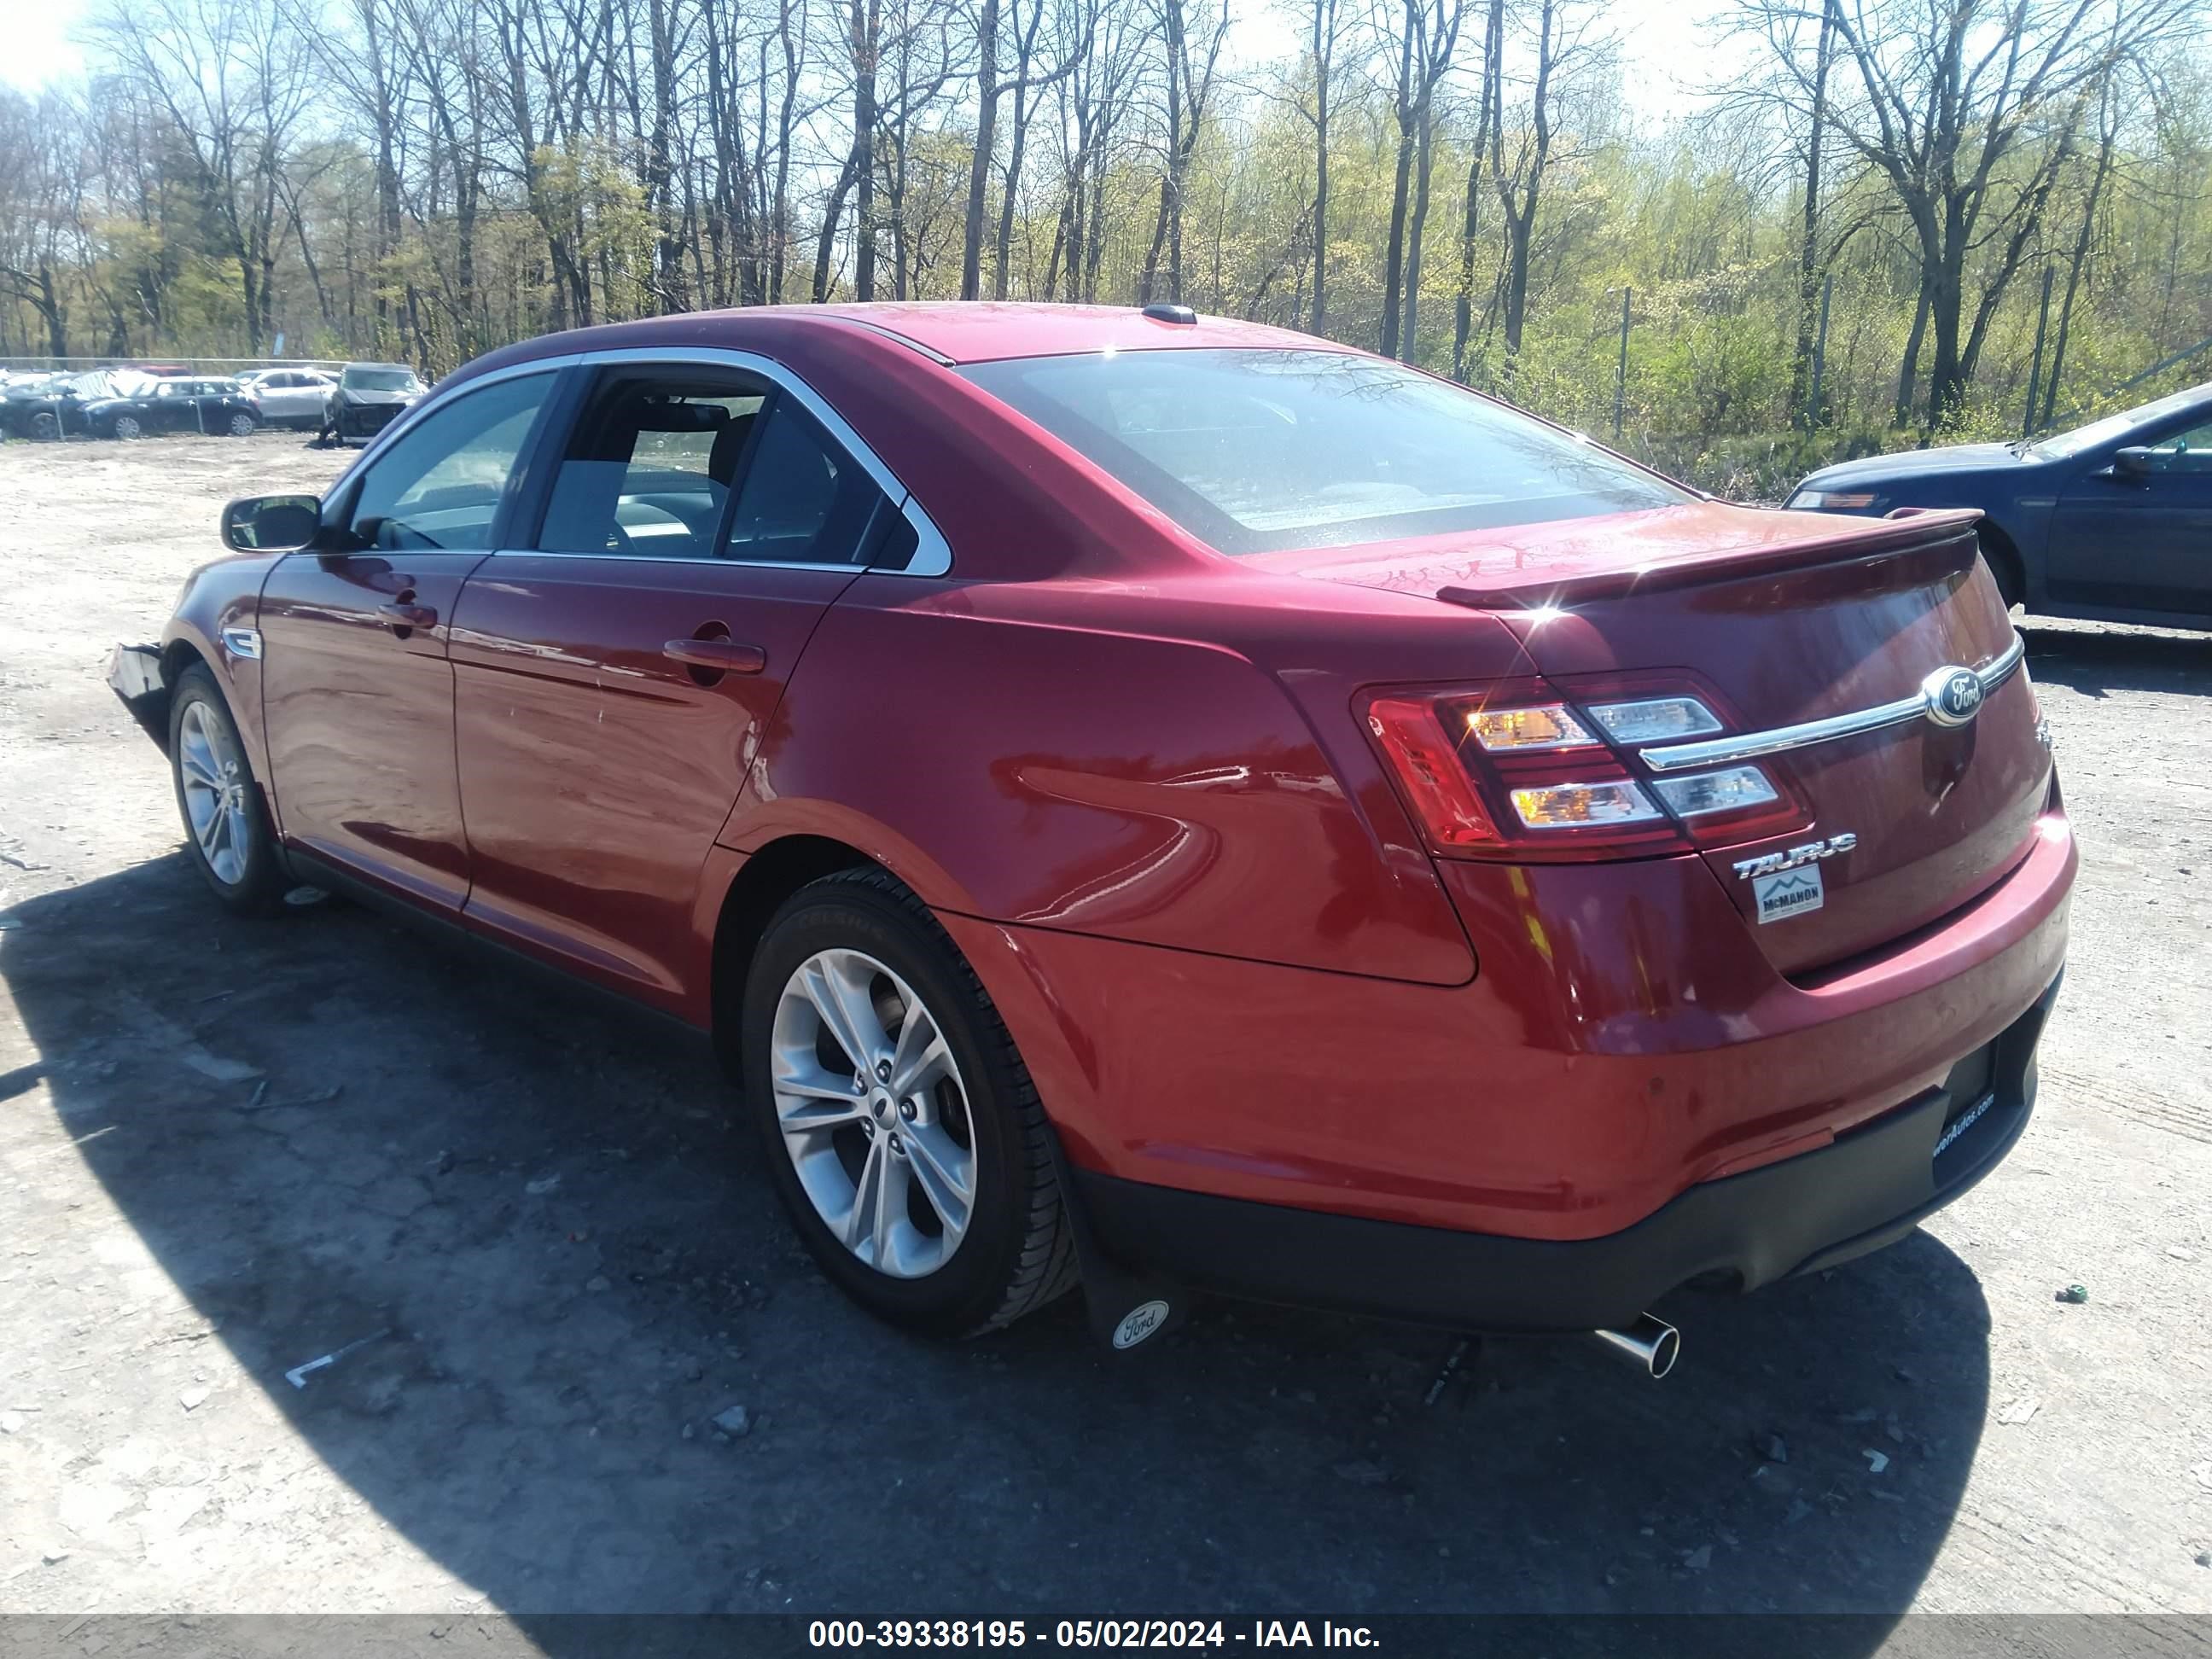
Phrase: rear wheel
[901,1128]
[225,818]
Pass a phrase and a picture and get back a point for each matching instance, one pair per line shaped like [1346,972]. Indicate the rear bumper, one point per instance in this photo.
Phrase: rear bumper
[1867,1189]
[134,674]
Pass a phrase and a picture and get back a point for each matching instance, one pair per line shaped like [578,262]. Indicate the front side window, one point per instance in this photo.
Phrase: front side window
[441,483]
[1260,451]
[2062,445]
[2191,450]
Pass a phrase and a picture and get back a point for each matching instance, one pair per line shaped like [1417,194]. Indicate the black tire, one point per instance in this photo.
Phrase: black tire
[240,424]
[2012,586]
[259,887]
[1018,1253]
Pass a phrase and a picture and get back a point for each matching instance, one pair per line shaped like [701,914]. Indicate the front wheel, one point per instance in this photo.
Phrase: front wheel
[232,844]
[242,425]
[126,427]
[2005,565]
[901,1128]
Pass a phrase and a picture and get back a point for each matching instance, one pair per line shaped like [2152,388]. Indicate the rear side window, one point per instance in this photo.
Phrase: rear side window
[691,463]
[803,500]
[649,466]
[1257,451]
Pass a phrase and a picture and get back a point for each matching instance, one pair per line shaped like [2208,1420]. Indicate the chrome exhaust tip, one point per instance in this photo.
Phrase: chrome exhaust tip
[1652,1343]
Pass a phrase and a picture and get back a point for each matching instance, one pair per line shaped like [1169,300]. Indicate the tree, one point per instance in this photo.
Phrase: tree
[1428,34]
[1972,112]
[1489,104]
[234,79]
[1323,31]
[1190,86]
[1520,187]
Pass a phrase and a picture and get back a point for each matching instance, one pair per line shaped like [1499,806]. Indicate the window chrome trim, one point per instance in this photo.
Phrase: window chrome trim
[1676,758]
[932,554]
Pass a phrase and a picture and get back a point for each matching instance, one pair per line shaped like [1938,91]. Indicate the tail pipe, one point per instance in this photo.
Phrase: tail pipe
[1651,1343]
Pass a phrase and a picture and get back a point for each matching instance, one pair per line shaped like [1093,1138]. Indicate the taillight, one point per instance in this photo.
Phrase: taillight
[1516,771]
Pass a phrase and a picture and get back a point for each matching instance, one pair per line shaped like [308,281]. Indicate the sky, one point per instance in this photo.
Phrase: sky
[1665,45]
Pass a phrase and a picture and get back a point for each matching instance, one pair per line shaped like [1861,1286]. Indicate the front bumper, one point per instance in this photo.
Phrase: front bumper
[365,420]
[134,674]
[1869,1189]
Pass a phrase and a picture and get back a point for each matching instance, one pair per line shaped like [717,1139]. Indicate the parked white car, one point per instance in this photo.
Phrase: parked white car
[289,396]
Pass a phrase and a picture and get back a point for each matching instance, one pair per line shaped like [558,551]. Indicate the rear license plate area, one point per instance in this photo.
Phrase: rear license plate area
[1970,1092]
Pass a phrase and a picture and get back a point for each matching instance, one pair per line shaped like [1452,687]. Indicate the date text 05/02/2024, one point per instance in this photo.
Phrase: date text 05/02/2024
[1086,1633]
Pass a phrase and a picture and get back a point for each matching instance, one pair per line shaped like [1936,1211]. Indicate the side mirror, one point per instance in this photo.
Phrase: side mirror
[271,524]
[2137,462]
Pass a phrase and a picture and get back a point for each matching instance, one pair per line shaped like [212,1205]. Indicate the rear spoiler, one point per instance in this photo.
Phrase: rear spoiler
[1908,530]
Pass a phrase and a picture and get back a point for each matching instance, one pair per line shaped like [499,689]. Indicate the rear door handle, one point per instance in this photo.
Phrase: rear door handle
[399,615]
[723,656]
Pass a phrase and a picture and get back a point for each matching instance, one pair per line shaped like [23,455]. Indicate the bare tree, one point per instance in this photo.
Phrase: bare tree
[1324,33]
[1190,77]
[1556,40]
[1489,103]
[234,78]
[1971,112]
[1428,35]
[43,177]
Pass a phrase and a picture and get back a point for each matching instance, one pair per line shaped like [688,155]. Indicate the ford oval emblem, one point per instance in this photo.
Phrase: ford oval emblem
[1953,695]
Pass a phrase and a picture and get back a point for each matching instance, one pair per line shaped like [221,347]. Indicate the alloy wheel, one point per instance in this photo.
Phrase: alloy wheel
[126,426]
[241,425]
[214,782]
[873,1113]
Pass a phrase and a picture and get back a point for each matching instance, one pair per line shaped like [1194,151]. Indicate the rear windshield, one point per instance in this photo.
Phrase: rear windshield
[1258,451]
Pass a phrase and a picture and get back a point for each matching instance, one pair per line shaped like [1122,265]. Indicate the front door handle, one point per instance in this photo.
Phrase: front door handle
[721,656]
[401,615]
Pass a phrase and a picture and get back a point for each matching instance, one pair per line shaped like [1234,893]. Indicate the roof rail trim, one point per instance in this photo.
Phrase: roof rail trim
[908,340]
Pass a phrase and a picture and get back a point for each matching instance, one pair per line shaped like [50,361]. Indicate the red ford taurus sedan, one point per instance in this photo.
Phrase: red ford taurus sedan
[1162,802]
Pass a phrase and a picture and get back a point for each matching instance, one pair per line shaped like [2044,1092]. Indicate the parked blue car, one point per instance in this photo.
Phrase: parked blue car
[2111,521]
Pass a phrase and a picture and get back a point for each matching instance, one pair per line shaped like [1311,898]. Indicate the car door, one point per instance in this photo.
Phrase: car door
[160,409]
[2141,541]
[613,684]
[292,395]
[304,402]
[273,395]
[358,696]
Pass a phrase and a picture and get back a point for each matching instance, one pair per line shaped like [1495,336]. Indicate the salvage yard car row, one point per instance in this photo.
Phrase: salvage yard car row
[351,403]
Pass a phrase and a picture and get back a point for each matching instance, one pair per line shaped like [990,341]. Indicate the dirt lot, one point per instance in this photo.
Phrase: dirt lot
[226,1150]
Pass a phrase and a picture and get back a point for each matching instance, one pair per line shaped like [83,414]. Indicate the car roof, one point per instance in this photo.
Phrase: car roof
[973,332]
[949,332]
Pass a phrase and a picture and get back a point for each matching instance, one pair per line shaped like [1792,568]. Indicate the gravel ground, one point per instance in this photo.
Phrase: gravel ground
[226,1149]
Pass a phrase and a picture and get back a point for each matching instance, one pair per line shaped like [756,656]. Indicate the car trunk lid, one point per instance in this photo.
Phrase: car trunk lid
[1782,621]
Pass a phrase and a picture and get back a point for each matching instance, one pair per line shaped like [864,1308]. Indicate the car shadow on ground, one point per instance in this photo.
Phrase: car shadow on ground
[2107,659]
[325,1129]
